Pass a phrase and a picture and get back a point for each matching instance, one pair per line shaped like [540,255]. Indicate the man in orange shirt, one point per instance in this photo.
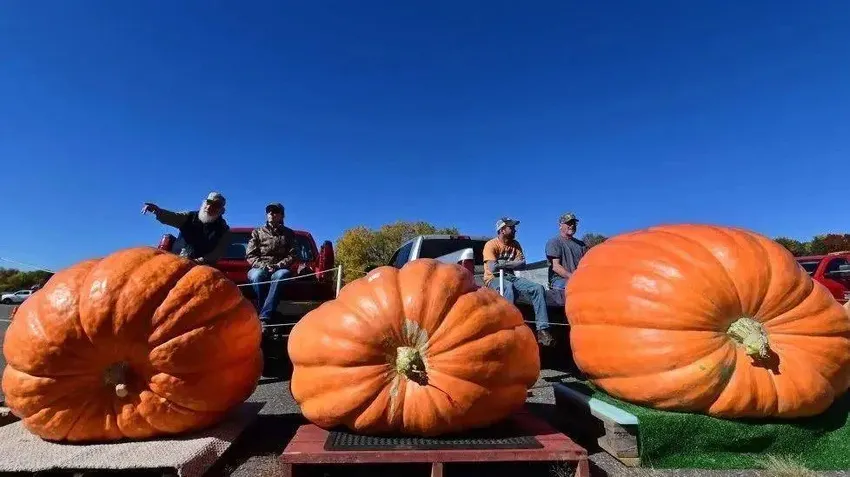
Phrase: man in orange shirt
[505,253]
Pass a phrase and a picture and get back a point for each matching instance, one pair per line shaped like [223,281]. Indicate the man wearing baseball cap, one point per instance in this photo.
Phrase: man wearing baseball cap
[564,251]
[204,231]
[271,253]
[505,253]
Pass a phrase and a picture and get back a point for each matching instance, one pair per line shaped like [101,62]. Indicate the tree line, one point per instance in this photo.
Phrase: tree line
[12,280]
[818,245]
[361,247]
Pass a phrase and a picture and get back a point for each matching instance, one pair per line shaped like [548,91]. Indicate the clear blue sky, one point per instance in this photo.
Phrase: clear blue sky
[628,113]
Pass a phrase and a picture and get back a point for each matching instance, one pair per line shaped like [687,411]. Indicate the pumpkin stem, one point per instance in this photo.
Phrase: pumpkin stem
[409,362]
[752,335]
[116,375]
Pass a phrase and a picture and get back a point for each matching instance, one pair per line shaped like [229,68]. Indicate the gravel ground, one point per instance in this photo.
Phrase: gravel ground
[253,455]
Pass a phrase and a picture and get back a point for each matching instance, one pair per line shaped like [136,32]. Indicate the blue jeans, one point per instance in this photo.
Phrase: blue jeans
[268,294]
[559,284]
[535,293]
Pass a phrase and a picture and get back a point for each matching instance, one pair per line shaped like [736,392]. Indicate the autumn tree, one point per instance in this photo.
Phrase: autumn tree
[818,245]
[360,247]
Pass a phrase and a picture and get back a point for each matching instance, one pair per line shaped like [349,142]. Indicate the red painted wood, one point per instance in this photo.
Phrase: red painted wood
[307,447]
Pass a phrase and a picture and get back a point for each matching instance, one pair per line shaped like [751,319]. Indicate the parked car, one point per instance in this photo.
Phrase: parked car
[461,249]
[832,271]
[15,297]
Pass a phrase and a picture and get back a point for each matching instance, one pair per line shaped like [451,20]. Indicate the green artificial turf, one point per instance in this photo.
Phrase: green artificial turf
[675,440]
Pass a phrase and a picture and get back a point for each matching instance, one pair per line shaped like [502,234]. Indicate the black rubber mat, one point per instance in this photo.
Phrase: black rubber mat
[503,436]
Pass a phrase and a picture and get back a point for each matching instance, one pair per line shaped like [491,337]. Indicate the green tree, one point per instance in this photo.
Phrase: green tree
[796,247]
[360,247]
[591,239]
[14,280]
[828,243]
[818,245]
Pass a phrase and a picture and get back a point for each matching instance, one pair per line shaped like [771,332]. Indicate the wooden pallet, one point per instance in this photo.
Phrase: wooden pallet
[615,430]
[307,448]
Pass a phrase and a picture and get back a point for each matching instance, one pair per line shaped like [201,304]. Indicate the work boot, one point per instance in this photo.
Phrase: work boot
[545,338]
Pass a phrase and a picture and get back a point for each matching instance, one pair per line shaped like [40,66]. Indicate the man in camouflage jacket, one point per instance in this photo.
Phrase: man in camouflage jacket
[270,252]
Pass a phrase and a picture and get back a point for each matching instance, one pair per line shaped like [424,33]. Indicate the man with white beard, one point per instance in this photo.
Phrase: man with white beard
[204,231]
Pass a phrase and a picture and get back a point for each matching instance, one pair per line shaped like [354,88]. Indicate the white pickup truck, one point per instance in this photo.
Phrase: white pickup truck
[468,251]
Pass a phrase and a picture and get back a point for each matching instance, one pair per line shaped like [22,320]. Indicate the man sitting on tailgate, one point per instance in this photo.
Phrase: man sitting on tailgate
[505,253]
[270,251]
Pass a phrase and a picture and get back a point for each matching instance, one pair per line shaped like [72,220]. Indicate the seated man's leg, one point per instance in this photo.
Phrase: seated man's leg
[256,276]
[273,298]
[536,294]
[508,288]
[559,284]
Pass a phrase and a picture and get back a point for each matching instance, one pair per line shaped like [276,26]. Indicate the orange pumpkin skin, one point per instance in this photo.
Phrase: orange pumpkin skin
[141,343]
[419,351]
[656,319]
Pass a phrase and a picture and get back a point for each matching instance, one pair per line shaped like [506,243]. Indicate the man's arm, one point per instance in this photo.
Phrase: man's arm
[218,251]
[252,252]
[174,219]
[553,253]
[489,256]
[516,264]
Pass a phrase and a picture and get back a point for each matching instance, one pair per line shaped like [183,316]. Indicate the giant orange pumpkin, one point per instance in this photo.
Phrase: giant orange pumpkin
[419,351]
[707,319]
[138,344]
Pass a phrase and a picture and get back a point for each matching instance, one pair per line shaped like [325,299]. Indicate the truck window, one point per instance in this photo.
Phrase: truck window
[835,264]
[433,248]
[810,266]
[400,257]
[239,244]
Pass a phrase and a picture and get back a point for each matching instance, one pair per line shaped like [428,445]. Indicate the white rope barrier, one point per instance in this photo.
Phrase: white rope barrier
[292,278]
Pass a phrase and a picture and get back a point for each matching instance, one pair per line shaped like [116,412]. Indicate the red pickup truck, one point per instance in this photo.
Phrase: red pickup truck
[832,270]
[310,259]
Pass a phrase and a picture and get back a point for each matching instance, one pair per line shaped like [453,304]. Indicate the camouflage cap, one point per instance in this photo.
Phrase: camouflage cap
[504,222]
[215,197]
[568,217]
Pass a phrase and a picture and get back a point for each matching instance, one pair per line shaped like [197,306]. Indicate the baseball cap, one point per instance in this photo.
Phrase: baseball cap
[276,206]
[504,222]
[216,197]
[568,217]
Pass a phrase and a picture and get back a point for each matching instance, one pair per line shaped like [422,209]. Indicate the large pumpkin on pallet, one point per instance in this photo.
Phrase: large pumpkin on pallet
[138,344]
[707,319]
[420,351]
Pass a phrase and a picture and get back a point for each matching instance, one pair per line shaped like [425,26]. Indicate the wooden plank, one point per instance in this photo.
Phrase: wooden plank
[600,409]
[307,447]
[615,429]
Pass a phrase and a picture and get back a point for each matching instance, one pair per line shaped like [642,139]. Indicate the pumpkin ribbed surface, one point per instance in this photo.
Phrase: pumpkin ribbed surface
[707,319]
[420,351]
[138,344]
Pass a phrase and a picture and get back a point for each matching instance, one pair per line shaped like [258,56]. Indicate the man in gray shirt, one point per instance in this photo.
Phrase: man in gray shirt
[564,252]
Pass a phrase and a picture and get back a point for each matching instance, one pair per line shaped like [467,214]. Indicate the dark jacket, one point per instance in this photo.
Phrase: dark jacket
[269,245]
[201,240]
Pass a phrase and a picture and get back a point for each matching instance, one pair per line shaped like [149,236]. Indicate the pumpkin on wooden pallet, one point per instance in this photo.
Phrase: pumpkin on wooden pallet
[141,343]
[418,351]
[708,319]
